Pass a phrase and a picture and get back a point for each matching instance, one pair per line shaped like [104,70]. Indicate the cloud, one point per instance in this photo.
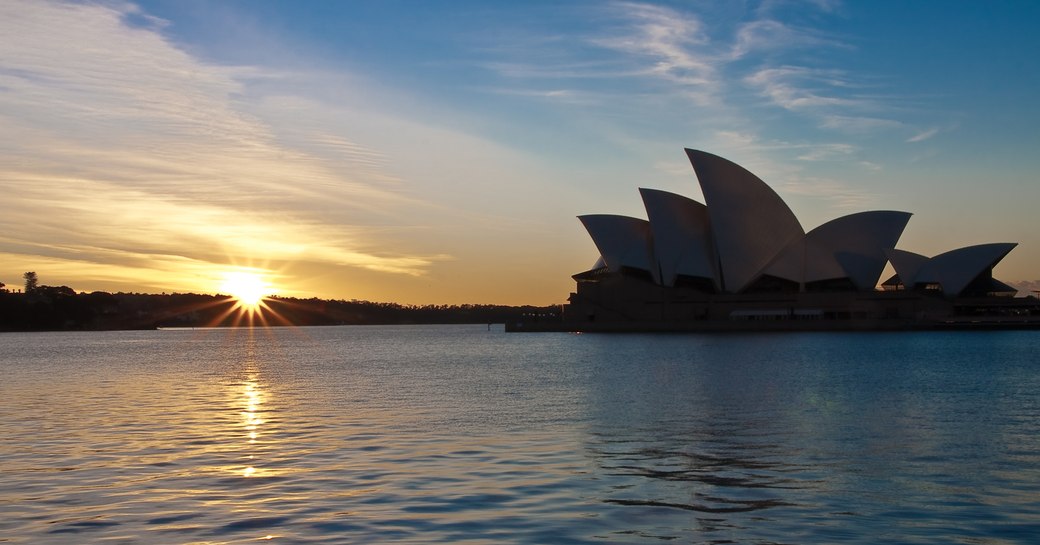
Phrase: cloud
[826,152]
[826,6]
[769,36]
[560,69]
[561,96]
[658,53]
[798,88]
[838,194]
[124,144]
[827,96]
[109,218]
[923,135]
[791,178]
[671,45]
[737,138]
[858,124]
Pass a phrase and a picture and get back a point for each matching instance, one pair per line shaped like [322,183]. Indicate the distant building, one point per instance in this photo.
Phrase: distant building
[743,261]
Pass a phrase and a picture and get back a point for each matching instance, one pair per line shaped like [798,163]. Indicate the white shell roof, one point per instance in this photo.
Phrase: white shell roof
[622,241]
[907,264]
[750,223]
[955,269]
[746,230]
[681,236]
[851,246]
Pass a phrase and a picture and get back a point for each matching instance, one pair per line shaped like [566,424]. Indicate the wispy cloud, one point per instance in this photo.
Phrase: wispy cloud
[923,135]
[560,96]
[125,143]
[672,45]
[559,69]
[771,6]
[858,124]
[791,179]
[662,52]
[798,88]
[826,152]
[710,67]
[770,35]
[838,194]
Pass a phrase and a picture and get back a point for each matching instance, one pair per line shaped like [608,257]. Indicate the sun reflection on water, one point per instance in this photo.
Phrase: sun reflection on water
[253,414]
[252,418]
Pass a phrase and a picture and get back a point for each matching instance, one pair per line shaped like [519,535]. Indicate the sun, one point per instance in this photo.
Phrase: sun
[252,302]
[249,289]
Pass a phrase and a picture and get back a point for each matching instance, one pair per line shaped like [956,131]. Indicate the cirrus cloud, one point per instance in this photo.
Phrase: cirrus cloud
[123,143]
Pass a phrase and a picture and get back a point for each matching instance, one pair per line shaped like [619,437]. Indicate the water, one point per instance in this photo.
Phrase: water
[455,434]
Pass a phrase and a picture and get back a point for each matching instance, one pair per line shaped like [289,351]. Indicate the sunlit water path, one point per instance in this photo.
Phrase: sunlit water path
[457,434]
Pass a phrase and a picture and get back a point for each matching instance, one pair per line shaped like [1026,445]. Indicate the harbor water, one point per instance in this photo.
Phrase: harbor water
[458,434]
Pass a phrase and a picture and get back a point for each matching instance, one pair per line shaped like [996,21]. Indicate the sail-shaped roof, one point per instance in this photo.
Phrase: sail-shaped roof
[750,223]
[682,240]
[622,241]
[746,233]
[955,269]
[907,264]
[851,246]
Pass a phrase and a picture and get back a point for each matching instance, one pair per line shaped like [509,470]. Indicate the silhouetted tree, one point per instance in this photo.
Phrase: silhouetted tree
[58,308]
[31,281]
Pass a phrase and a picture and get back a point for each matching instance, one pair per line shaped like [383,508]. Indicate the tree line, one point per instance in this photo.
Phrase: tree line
[58,308]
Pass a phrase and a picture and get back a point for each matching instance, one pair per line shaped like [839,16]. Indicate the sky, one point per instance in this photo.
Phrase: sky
[439,152]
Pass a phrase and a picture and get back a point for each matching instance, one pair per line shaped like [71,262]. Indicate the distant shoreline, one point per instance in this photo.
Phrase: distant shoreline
[62,309]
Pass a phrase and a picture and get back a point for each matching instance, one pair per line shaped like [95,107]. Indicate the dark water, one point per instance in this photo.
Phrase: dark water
[459,435]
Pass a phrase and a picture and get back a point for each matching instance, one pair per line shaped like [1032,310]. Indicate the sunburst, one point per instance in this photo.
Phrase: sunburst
[249,289]
[246,299]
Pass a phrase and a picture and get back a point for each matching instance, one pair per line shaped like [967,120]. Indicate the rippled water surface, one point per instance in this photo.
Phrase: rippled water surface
[457,434]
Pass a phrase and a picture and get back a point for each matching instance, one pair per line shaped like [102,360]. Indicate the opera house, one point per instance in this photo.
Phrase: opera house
[742,261]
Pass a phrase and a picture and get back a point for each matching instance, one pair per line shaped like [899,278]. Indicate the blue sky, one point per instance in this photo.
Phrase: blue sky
[437,152]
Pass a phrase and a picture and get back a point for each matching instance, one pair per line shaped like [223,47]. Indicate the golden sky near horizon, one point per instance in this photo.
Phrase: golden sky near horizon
[159,146]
